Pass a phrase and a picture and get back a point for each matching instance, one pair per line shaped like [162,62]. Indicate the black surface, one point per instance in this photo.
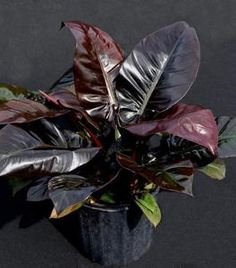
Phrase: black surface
[194,232]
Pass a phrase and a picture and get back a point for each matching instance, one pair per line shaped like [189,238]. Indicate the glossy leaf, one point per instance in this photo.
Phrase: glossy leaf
[24,154]
[158,72]
[38,190]
[22,111]
[190,122]
[68,190]
[182,175]
[181,172]
[46,132]
[96,54]
[14,139]
[62,94]
[215,169]
[41,134]
[227,136]
[174,148]
[64,98]
[60,132]
[147,203]
[171,177]
[39,162]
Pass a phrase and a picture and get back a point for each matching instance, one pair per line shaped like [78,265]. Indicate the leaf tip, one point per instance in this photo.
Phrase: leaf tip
[62,25]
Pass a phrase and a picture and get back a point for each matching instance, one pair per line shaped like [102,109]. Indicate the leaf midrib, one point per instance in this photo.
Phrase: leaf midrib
[150,92]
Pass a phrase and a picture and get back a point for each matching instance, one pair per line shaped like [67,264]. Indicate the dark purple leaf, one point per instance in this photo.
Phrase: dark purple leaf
[95,56]
[174,148]
[42,162]
[158,72]
[172,177]
[22,111]
[27,156]
[14,139]
[60,132]
[38,190]
[67,190]
[63,98]
[47,132]
[191,122]
[180,171]
[62,92]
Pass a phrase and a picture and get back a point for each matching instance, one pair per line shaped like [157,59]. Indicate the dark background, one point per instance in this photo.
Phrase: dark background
[194,232]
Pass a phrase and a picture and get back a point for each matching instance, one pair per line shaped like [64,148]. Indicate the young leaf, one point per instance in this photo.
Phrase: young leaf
[158,72]
[227,136]
[96,54]
[215,169]
[147,203]
[190,122]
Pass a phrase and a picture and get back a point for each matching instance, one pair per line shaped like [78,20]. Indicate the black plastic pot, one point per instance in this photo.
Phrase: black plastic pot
[114,235]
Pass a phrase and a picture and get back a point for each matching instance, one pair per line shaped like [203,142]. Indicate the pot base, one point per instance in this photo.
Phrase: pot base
[113,237]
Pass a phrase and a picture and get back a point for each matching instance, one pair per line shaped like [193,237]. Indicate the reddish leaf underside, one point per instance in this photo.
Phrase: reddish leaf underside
[191,122]
[96,54]
[161,179]
[22,111]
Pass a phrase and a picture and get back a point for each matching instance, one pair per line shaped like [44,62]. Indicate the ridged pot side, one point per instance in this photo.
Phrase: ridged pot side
[113,235]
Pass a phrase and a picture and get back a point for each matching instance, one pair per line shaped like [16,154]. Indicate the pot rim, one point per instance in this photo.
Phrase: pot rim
[113,207]
[107,207]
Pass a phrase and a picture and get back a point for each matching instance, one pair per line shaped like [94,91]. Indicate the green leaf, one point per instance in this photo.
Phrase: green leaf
[150,186]
[147,203]
[227,136]
[108,197]
[9,92]
[215,170]
[17,184]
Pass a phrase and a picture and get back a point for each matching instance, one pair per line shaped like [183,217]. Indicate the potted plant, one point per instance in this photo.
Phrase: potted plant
[111,134]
